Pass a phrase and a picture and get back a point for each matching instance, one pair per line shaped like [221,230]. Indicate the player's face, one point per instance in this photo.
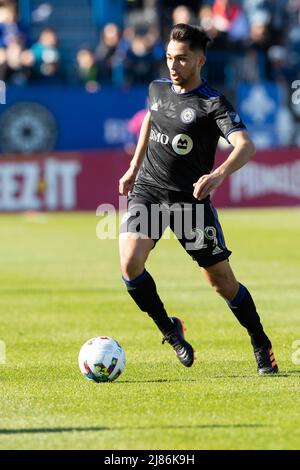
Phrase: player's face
[184,65]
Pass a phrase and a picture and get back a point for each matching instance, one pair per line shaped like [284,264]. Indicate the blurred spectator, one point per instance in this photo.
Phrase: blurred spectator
[192,4]
[107,51]
[279,19]
[207,22]
[87,71]
[252,40]
[139,63]
[293,46]
[280,68]
[171,13]
[13,63]
[182,14]
[252,7]
[46,56]
[218,61]
[259,37]
[257,45]
[225,13]
[249,67]
[293,7]
[230,18]
[10,30]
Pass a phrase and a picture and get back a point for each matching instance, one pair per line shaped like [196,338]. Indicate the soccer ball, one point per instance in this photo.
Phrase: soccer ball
[101,359]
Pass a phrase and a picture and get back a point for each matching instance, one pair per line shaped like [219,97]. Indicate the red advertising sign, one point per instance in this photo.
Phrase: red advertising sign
[61,181]
[271,178]
[84,180]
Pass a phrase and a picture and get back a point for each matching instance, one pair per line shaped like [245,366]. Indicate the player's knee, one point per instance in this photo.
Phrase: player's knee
[225,287]
[132,266]
[219,288]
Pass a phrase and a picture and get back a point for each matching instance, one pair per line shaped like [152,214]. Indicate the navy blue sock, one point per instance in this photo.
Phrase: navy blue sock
[244,309]
[143,291]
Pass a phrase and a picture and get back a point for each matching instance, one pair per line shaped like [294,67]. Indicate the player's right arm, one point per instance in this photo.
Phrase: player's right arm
[127,181]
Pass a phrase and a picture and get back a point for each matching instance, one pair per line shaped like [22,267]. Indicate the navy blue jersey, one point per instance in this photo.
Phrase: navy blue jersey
[185,129]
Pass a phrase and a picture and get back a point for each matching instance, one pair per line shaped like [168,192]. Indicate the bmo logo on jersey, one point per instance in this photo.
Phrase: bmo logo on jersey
[159,137]
[182,144]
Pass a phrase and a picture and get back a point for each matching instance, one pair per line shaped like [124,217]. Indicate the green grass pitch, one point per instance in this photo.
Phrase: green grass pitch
[60,285]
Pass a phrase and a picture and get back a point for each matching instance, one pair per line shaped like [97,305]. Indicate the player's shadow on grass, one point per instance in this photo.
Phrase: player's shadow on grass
[124,428]
[250,376]
[294,373]
[120,382]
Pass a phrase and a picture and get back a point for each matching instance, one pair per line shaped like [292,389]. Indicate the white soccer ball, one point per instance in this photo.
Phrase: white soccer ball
[101,359]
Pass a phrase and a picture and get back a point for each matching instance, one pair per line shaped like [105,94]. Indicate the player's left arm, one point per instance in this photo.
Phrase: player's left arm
[244,149]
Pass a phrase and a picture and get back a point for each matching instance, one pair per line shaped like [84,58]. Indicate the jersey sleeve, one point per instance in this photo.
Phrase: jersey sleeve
[149,96]
[225,116]
[152,96]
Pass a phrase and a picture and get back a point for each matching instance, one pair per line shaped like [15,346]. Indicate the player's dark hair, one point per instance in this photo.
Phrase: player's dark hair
[194,35]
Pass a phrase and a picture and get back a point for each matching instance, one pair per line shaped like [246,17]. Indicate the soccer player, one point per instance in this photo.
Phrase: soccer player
[172,167]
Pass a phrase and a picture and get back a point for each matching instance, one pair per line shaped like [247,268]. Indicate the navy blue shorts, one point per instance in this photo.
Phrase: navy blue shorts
[195,223]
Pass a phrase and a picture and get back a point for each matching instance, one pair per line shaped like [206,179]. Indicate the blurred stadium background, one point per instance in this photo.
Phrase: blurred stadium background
[74,76]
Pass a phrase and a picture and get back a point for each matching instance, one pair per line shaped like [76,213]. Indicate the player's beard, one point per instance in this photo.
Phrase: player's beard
[180,81]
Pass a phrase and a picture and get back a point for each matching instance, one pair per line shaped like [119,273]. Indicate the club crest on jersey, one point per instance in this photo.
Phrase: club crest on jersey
[188,115]
[182,144]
